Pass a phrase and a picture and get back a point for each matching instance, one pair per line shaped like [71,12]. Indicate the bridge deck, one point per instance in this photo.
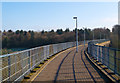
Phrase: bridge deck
[69,66]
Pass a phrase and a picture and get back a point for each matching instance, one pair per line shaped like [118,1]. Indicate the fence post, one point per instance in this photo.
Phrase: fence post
[91,50]
[99,57]
[15,64]
[96,57]
[9,68]
[97,52]
[29,60]
[108,56]
[103,55]
[115,61]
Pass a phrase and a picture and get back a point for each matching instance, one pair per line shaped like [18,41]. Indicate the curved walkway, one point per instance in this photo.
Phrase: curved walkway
[69,66]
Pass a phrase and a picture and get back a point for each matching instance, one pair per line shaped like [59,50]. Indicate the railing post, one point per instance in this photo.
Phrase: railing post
[29,60]
[102,55]
[96,53]
[115,61]
[108,56]
[91,50]
[99,57]
[15,64]
[9,68]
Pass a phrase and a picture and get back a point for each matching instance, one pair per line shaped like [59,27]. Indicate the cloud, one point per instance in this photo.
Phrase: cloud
[110,20]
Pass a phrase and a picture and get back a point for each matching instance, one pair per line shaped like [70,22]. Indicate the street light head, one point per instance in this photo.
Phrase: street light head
[74,17]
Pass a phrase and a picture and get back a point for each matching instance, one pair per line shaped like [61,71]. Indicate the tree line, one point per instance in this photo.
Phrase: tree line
[30,39]
[115,37]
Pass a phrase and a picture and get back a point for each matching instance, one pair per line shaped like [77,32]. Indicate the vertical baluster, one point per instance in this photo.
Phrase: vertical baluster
[91,50]
[102,55]
[9,68]
[96,52]
[15,63]
[99,55]
[115,62]
[108,57]
[29,60]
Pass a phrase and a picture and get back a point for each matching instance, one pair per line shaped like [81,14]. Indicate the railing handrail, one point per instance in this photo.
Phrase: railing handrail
[106,47]
[5,55]
[106,55]
[15,65]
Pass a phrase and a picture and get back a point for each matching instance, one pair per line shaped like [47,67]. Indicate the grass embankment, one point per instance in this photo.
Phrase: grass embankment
[5,51]
[8,51]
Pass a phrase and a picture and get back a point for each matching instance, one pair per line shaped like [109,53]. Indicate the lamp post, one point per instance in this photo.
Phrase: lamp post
[76,35]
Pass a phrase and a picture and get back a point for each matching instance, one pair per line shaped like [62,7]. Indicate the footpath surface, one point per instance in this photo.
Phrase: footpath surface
[69,66]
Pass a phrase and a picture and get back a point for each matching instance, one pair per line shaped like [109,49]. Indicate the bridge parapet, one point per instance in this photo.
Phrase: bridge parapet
[110,57]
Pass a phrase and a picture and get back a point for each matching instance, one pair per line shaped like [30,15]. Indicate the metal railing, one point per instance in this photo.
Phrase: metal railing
[109,57]
[13,67]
